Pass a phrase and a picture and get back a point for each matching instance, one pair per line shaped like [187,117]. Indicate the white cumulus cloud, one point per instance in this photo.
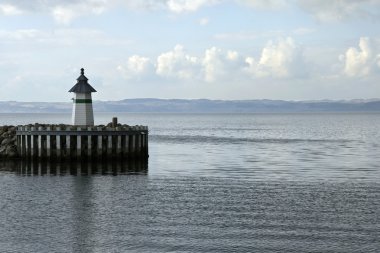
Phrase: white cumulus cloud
[362,61]
[136,67]
[281,59]
[177,63]
[220,65]
[213,65]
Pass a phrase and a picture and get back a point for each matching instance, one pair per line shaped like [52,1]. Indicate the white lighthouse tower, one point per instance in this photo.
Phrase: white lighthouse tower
[83,114]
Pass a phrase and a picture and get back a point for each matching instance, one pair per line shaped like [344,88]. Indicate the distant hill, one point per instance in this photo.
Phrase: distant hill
[200,106]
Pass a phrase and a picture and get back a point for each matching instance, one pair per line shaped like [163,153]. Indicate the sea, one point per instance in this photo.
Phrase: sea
[300,182]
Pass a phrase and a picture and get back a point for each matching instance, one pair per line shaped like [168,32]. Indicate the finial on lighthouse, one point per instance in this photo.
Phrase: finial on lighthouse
[82,71]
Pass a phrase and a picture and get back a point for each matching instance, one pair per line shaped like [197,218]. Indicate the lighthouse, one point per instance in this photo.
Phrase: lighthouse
[82,114]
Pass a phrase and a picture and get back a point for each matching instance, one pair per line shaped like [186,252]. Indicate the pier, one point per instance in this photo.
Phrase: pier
[67,142]
[81,141]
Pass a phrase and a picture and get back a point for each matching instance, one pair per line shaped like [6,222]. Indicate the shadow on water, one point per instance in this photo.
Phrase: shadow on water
[75,168]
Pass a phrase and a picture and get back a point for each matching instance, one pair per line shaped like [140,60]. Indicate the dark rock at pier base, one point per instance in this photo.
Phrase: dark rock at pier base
[8,148]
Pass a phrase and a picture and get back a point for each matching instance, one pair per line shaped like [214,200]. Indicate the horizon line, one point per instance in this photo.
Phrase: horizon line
[209,99]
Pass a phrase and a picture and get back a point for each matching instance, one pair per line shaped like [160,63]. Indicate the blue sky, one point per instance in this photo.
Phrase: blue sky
[216,49]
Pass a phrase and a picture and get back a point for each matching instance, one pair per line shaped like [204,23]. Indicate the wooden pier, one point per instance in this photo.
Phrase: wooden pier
[65,142]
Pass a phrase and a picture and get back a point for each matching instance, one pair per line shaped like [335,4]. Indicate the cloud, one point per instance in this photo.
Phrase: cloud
[149,5]
[136,67]
[251,35]
[59,37]
[20,35]
[64,14]
[203,21]
[219,65]
[322,10]
[63,11]
[303,31]
[178,64]
[9,10]
[339,10]
[215,65]
[361,62]
[179,6]
[281,60]
[264,4]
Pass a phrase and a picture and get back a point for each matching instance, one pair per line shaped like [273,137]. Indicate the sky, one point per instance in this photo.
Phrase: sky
[190,49]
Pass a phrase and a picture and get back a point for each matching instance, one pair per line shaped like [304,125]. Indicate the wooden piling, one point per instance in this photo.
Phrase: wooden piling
[100,146]
[125,145]
[118,147]
[89,146]
[109,146]
[79,144]
[23,145]
[58,145]
[48,144]
[39,143]
[68,146]
[28,145]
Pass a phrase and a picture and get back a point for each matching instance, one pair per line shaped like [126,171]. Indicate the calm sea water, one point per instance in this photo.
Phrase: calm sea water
[213,183]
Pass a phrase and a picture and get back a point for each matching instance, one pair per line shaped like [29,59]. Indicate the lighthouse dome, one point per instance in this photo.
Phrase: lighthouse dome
[82,85]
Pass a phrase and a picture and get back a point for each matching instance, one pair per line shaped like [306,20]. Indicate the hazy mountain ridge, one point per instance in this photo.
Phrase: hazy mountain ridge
[199,106]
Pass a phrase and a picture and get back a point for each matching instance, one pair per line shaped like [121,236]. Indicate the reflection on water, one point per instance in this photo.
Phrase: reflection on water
[115,167]
[186,214]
